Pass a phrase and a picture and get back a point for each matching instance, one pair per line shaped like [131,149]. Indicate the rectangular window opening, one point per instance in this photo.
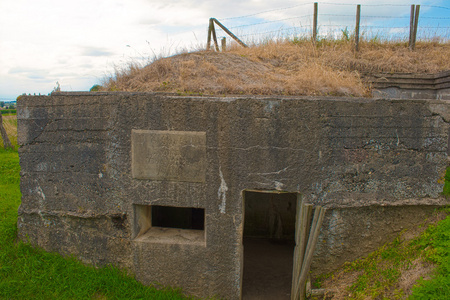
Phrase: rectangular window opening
[169,224]
[178,217]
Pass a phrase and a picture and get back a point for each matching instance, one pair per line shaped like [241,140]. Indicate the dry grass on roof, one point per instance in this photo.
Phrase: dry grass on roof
[282,68]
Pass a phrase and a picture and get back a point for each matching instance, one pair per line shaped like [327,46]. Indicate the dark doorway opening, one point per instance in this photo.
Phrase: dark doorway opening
[269,242]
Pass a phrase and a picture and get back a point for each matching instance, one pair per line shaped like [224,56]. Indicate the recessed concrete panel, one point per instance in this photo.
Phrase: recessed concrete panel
[168,155]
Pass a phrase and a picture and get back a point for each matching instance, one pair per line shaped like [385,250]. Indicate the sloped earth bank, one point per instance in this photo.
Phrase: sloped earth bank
[281,68]
[378,285]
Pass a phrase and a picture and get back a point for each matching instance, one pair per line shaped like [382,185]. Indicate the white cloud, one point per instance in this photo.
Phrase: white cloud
[95,51]
[77,42]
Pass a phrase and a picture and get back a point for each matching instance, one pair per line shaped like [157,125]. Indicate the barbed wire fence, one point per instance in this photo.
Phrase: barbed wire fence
[378,22]
[325,20]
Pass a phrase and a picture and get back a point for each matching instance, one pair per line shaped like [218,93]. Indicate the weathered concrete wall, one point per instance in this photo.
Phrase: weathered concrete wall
[376,164]
[411,86]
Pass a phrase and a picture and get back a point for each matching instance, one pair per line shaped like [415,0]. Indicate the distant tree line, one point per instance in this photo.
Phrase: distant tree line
[8,111]
[4,105]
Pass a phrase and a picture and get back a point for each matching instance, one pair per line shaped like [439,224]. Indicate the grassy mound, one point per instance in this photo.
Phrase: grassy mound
[330,67]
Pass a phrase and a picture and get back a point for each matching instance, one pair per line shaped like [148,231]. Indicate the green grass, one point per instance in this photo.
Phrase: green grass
[31,273]
[379,272]
[436,244]
[376,279]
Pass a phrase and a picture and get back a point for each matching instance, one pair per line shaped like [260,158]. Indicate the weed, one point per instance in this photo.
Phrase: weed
[345,34]
[446,189]
[95,88]
[57,88]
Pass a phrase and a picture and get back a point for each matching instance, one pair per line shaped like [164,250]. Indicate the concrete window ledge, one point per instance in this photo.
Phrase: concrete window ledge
[161,235]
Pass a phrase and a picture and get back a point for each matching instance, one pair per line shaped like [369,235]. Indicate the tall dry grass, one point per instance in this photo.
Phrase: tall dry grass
[329,67]
[10,125]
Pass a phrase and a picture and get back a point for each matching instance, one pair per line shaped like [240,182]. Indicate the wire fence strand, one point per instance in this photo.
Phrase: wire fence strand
[387,26]
[335,20]
[267,11]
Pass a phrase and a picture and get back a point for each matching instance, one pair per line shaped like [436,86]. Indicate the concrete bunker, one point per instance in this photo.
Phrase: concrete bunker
[104,174]
[269,241]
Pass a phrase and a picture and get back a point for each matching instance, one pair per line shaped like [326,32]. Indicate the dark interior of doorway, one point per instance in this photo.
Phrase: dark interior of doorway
[269,241]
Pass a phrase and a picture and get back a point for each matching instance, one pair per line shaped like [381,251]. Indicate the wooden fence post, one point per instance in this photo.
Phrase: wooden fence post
[416,23]
[224,44]
[6,142]
[319,215]
[230,33]
[316,8]
[306,235]
[303,222]
[208,41]
[413,24]
[213,31]
[358,18]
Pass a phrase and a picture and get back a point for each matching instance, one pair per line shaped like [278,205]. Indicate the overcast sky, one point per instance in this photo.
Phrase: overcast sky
[78,43]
